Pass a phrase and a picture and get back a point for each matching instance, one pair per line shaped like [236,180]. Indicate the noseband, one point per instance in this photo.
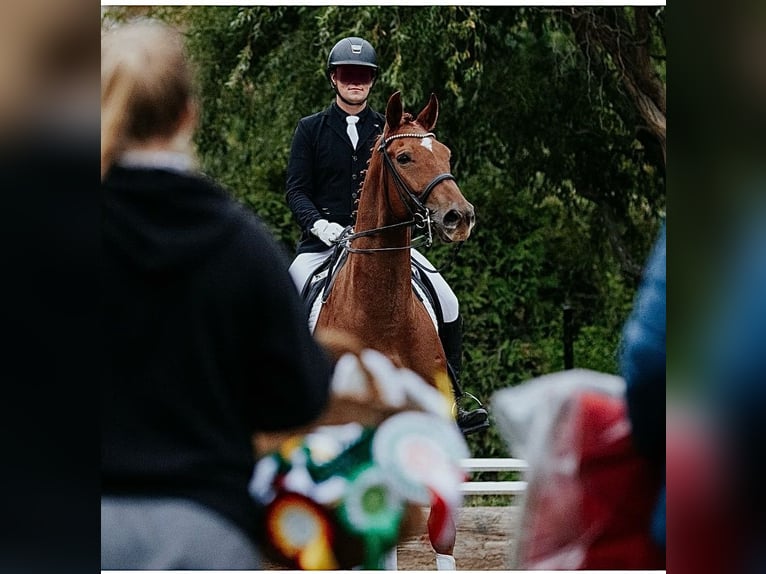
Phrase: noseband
[414,202]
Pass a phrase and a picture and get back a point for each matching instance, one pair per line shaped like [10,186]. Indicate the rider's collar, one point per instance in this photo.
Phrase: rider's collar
[342,114]
[157,159]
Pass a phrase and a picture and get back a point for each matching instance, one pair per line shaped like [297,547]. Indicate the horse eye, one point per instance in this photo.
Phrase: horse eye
[403,158]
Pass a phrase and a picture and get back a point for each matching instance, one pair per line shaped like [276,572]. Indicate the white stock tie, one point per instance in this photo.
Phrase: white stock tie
[351,129]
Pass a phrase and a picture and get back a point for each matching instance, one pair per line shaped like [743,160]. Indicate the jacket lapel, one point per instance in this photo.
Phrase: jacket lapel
[370,129]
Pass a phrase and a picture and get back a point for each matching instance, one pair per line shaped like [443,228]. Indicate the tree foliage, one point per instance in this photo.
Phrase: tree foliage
[555,118]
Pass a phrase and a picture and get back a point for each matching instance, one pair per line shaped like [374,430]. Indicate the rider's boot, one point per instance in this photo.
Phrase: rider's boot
[469,421]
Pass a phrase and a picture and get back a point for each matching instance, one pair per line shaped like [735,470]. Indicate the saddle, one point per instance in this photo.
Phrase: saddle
[319,285]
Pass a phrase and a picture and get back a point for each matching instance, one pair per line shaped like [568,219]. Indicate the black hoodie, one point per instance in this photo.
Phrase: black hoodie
[205,341]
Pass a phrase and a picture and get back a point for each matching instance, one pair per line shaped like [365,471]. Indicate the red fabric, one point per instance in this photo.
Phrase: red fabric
[702,523]
[441,527]
[592,512]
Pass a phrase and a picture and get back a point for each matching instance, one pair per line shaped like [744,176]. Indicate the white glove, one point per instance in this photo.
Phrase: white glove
[327,231]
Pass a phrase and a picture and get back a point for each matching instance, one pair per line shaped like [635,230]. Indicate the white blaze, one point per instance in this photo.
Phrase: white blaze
[426,143]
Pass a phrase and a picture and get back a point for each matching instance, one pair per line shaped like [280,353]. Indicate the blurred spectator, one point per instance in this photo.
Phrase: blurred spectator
[49,61]
[734,365]
[48,65]
[205,340]
[642,364]
[719,266]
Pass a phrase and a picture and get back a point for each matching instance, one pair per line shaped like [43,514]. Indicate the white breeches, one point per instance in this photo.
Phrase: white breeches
[305,263]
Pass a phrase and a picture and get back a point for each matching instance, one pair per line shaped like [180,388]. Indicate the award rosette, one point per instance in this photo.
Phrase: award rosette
[421,453]
[341,496]
[372,510]
[300,530]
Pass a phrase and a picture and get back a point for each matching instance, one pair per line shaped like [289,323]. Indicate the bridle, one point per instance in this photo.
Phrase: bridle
[420,215]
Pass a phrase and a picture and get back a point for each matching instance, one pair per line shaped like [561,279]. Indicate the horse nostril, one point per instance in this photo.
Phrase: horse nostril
[452,218]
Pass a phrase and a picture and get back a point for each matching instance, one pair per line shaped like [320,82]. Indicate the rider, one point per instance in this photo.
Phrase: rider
[324,175]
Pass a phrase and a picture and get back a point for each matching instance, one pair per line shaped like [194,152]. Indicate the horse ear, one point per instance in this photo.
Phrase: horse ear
[427,117]
[394,111]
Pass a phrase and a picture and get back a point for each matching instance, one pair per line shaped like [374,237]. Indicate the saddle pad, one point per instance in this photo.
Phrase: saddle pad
[420,292]
[316,307]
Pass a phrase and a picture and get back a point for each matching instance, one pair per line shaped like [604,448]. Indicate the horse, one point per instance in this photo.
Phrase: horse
[407,185]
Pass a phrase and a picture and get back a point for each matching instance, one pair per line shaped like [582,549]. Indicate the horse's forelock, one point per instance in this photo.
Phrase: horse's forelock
[408,117]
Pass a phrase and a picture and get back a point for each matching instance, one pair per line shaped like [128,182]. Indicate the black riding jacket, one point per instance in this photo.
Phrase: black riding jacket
[324,171]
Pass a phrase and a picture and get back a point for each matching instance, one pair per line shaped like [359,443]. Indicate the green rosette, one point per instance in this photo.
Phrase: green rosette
[372,510]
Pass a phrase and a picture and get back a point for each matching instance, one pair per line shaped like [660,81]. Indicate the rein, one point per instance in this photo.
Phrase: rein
[443,268]
[421,215]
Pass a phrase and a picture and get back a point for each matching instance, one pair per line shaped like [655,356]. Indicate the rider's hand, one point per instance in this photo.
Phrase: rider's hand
[327,231]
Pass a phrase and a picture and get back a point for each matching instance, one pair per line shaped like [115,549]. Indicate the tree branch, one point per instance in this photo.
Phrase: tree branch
[629,49]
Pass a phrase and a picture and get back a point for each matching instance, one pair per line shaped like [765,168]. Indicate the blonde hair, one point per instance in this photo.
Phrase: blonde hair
[146,86]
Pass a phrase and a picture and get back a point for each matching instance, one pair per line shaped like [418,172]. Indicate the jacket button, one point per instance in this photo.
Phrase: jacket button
[353,177]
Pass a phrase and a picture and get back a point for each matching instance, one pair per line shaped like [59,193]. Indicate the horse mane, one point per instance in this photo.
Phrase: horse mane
[407,117]
[358,195]
[362,179]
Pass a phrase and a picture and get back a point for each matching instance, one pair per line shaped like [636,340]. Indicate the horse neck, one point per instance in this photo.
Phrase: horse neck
[385,271]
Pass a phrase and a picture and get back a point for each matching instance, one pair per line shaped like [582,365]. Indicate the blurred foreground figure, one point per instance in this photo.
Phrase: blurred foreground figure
[595,444]
[734,363]
[716,438]
[204,338]
[49,225]
[590,495]
[715,464]
[642,363]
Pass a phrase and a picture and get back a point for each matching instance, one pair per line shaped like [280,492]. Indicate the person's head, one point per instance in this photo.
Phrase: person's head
[147,91]
[352,68]
[48,65]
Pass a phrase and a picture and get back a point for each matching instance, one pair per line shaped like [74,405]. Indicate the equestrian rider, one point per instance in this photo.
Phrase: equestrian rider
[324,175]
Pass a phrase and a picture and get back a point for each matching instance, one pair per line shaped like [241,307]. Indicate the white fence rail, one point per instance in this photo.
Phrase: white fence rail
[505,487]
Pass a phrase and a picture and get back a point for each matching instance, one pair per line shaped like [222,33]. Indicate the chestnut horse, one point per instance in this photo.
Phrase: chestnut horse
[408,185]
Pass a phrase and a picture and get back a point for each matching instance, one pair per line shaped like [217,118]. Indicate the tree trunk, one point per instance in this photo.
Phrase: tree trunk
[628,46]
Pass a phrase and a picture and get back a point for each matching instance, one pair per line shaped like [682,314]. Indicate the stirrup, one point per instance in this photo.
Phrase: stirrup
[474,420]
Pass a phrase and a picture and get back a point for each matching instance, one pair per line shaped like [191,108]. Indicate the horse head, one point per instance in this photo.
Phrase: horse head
[420,168]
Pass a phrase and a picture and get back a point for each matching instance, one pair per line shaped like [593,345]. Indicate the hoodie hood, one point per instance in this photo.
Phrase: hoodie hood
[164,221]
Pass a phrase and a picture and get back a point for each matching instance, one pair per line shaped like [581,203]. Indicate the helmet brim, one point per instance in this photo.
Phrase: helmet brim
[352,63]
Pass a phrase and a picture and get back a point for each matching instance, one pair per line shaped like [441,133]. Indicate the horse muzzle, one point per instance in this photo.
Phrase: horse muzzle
[455,223]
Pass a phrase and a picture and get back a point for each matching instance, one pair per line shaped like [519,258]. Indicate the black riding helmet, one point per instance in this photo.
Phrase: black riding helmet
[352,51]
